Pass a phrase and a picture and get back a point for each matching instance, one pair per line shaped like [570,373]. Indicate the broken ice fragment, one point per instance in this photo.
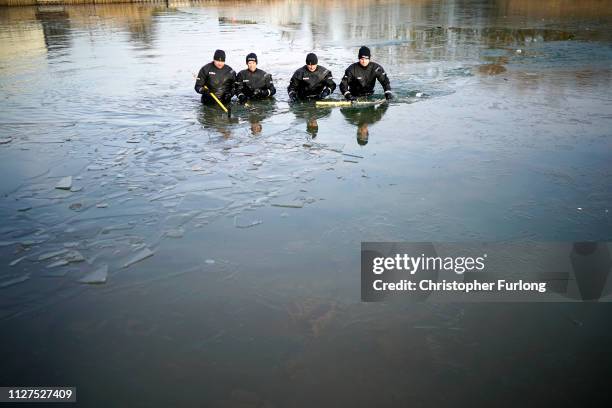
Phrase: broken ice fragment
[143,254]
[16,261]
[74,256]
[61,262]
[240,222]
[210,261]
[56,273]
[102,205]
[50,255]
[96,277]
[294,204]
[14,281]
[5,140]
[65,183]
[175,233]
[30,242]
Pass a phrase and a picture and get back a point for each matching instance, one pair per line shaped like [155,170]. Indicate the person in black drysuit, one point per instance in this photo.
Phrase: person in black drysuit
[218,78]
[253,83]
[312,81]
[360,77]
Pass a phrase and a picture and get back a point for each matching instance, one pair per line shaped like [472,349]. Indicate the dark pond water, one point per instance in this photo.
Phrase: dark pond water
[231,246]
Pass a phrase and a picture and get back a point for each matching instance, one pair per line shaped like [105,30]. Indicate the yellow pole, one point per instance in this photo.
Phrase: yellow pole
[216,99]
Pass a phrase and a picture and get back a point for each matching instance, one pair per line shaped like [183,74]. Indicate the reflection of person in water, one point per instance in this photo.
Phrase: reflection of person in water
[311,114]
[363,117]
[214,118]
[258,111]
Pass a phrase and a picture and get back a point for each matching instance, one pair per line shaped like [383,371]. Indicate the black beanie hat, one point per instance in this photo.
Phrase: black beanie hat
[364,52]
[219,55]
[311,59]
[251,57]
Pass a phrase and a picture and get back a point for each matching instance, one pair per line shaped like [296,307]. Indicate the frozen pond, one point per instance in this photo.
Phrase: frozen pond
[226,251]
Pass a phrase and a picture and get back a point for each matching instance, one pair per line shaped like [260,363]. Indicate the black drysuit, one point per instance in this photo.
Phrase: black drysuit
[247,82]
[219,81]
[309,85]
[360,81]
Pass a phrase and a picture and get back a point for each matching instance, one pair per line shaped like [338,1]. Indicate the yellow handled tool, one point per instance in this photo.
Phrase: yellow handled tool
[229,112]
[216,99]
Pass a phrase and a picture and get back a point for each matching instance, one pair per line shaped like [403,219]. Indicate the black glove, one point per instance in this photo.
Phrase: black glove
[388,95]
[325,93]
[349,97]
[293,97]
[257,93]
[204,90]
[242,98]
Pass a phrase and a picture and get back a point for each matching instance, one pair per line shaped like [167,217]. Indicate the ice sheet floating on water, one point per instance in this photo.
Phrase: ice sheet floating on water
[175,233]
[96,277]
[240,222]
[294,204]
[142,254]
[14,281]
[74,256]
[16,261]
[61,262]
[50,255]
[65,183]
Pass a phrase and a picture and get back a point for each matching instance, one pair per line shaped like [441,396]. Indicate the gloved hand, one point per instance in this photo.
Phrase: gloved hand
[257,93]
[388,96]
[349,97]
[242,98]
[293,97]
[204,90]
[325,93]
